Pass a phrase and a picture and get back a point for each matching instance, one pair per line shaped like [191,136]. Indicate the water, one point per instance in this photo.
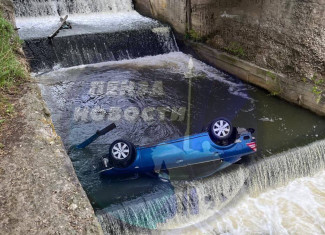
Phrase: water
[231,201]
[83,24]
[145,204]
[297,208]
[102,30]
[93,38]
[147,95]
[37,8]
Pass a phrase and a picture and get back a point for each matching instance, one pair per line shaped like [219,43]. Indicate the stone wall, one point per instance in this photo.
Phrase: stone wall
[287,36]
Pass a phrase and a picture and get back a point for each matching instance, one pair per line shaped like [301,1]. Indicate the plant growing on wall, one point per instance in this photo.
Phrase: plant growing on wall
[194,36]
[274,78]
[318,88]
[236,49]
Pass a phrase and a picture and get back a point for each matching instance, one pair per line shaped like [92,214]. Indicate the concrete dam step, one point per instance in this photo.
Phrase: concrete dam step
[72,50]
[94,37]
[37,8]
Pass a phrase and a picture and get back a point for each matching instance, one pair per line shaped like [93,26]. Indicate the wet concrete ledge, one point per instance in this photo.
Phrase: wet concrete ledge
[297,92]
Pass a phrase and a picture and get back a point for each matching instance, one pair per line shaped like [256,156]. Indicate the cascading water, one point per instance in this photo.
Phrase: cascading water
[38,8]
[102,30]
[193,202]
[109,30]
[144,205]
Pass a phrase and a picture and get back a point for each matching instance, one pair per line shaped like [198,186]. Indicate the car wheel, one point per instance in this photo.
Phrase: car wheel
[220,129]
[121,153]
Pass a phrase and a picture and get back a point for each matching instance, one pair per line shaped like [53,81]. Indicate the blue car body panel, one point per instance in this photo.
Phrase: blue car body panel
[186,151]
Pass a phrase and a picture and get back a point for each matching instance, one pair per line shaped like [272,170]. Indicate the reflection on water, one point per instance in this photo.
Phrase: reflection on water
[86,98]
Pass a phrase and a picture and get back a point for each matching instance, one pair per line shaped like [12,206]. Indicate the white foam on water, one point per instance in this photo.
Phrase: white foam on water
[39,27]
[268,197]
[37,8]
[298,208]
[176,62]
[266,119]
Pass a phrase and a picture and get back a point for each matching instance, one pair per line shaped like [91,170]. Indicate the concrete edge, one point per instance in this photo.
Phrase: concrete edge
[40,192]
[297,92]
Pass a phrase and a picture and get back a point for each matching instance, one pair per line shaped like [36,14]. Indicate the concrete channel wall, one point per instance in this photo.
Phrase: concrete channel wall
[39,190]
[297,92]
[284,38]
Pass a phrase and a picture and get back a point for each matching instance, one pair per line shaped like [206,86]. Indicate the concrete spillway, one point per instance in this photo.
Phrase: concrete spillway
[115,33]
[81,100]
[39,8]
[193,202]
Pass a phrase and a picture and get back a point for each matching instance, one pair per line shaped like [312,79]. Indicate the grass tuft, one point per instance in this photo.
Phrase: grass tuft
[11,69]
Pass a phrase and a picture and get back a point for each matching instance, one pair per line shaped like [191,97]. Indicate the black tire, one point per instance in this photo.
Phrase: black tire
[121,153]
[220,129]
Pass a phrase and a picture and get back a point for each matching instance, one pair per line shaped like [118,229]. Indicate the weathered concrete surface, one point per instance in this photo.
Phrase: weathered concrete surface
[286,36]
[297,92]
[39,190]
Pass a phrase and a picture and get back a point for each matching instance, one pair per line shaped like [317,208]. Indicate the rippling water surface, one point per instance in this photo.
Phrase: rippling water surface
[237,200]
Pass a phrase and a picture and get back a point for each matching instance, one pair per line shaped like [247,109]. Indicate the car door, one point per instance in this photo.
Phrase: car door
[166,155]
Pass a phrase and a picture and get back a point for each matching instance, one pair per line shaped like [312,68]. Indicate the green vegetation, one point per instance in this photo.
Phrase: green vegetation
[318,88]
[276,81]
[304,80]
[11,69]
[234,48]
[275,93]
[271,75]
[194,36]
[12,72]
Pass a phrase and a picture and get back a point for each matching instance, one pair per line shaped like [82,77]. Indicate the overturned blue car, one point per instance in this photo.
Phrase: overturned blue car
[221,143]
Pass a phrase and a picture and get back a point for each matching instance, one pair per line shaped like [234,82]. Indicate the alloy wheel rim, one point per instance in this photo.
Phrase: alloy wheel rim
[120,151]
[221,128]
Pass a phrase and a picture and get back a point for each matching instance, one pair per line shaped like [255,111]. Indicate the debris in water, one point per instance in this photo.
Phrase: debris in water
[265,119]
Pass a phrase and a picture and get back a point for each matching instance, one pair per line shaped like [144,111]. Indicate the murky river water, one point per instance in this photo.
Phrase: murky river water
[148,100]
[151,99]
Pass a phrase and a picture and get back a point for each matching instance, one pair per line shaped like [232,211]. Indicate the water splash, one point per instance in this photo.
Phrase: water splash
[197,201]
[37,8]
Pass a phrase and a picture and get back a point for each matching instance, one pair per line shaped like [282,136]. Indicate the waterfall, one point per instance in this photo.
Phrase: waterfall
[76,50]
[37,8]
[95,36]
[193,202]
